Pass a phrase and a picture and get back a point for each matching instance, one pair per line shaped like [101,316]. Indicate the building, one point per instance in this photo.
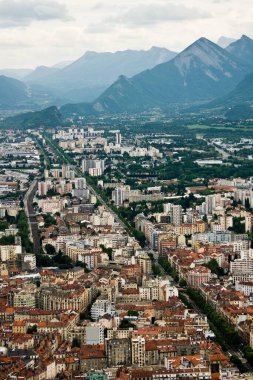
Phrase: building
[197,276]
[118,138]
[138,351]
[23,298]
[176,217]
[246,287]
[95,167]
[118,196]
[118,352]
[42,188]
[100,307]
[145,263]
[94,334]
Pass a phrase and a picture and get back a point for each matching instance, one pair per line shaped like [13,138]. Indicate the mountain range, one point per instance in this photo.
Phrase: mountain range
[203,73]
[86,78]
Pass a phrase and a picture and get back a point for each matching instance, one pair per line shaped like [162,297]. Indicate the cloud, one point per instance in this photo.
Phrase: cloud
[15,13]
[144,14]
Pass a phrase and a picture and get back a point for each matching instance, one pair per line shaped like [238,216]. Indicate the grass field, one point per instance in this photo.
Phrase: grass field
[204,127]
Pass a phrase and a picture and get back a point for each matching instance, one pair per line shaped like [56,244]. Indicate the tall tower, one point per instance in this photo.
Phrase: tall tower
[118,138]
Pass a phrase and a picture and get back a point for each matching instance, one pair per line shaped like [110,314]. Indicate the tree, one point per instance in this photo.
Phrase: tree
[133,313]
[3,225]
[81,264]
[107,250]
[44,261]
[214,267]
[247,204]
[50,249]
[63,261]
[49,220]
[156,270]
[126,324]
[7,240]
[52,193]
[182,283]
[32,329]
[238,226]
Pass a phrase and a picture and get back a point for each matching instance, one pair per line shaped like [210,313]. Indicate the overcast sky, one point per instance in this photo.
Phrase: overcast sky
[44,32]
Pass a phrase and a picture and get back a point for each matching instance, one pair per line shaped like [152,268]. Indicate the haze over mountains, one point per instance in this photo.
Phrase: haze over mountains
[135,81]
[86,78]
[13,93]
[225,41]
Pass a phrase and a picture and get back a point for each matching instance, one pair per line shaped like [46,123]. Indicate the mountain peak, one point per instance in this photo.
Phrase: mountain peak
[201,44]
[203,51]
[246,38]
[242,49]
[203,39]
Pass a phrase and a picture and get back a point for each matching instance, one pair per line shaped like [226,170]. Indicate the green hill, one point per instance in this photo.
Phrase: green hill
[49,117]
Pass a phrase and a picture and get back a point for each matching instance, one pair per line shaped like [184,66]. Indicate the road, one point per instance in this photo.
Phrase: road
[33,225]
[233,351]
[225,155]
[103,202]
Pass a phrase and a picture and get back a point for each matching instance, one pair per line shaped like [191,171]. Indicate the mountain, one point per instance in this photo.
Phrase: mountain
[202,72]
[242,49]
[61,65]
[13,92]
[15,73]
[237,104]
[40,74]
[240,112]
[225,41]
[243,93]
[49,117]
[86,78]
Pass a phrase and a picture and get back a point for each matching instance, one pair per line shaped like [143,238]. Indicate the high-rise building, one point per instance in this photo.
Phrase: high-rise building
[80,183]
[118,196]
[118,138]
[95,167]
[46,173]
[176,216]
[42,188]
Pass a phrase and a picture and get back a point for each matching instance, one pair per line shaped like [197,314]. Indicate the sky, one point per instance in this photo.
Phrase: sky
[45,32]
